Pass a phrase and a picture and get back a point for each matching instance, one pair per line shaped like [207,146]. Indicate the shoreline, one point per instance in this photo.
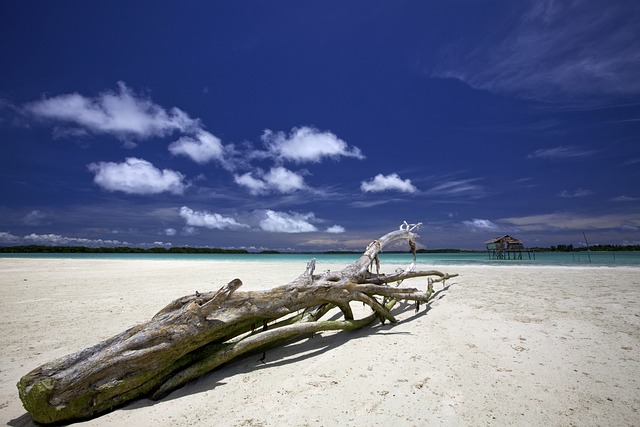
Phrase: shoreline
[535,345]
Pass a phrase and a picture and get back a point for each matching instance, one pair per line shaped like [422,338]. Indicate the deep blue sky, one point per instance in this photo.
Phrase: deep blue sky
[319,125]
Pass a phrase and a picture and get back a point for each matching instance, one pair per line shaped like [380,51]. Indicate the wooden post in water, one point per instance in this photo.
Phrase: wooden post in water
[587,243]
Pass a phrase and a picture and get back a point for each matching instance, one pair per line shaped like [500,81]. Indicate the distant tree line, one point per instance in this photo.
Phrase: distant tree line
[595,248]
[117,250]
[190,250]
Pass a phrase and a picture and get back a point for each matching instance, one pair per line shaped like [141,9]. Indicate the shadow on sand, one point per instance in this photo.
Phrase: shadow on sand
[301,348]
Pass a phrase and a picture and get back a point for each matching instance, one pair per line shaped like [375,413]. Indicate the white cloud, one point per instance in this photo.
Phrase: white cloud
[552,51]
[68,133]
[189,231]
[278,179]
[569,221]
[6,237]
[283,180]
[282,222]
[560,153]
[306,144]
[577,193]
[209,220]
[34,217]
[389,182]
[255,185]
[481,225]
[336,229]
[624,198]
[56,239]
[170,232]
[458,188]
[120,113]
[137,176]
[202,148]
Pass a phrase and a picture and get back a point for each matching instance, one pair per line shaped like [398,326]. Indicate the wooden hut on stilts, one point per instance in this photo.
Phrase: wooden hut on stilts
[507,247]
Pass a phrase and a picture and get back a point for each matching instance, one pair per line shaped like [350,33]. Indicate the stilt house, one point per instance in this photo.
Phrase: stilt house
[506,247]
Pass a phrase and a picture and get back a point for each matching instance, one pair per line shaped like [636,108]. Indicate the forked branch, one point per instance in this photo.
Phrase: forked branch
[197,333]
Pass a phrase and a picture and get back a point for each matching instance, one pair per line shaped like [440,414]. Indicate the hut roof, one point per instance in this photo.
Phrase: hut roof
[505,238]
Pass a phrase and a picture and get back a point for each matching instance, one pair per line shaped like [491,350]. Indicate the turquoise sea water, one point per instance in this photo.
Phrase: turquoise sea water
[602,259]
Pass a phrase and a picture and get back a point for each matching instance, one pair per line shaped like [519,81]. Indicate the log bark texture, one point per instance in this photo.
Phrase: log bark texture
[197,333]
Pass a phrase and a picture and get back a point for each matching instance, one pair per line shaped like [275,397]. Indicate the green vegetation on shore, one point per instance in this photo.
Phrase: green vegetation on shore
[117,250]
[191,250]
[593,248]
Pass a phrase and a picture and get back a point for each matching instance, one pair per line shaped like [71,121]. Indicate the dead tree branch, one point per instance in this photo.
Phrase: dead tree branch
[197,333]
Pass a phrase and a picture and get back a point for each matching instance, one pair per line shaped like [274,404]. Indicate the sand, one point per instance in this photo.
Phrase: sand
[503,345]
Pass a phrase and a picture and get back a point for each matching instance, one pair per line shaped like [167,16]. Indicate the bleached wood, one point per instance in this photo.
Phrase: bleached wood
[196,333]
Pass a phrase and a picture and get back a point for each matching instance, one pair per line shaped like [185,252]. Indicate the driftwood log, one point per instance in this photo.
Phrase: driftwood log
[197,333]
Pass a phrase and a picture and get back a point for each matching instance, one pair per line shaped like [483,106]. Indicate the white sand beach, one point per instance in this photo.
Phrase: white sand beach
[503,345]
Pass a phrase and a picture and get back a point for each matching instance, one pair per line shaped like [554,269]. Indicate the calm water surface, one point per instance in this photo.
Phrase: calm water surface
[603,259]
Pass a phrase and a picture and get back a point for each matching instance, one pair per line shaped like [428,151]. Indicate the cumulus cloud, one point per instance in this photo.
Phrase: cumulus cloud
[391,182]
[209,220]
[202,147]
[306,144]
[336,229]
[120,113]
[254,185]
[481,225]
[6,237]
[137,176]
[283,180]
[170,232]
[283,222]
[278,179]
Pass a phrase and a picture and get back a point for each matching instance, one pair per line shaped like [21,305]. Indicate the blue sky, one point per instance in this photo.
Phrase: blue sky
[319,125]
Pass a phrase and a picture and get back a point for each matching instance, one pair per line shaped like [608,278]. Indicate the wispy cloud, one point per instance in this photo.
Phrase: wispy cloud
[576,193]
[137,176]
[61,240]
[391,182]
[555,51]
[458,188]
[624,198]
[35,217]
[561,153]
[569,221]
[477,224]
[57,239]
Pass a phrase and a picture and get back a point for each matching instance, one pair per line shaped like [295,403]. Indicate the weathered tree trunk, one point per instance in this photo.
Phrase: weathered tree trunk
[196,333]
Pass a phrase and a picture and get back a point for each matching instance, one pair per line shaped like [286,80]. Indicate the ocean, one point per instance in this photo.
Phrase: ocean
[595,259]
